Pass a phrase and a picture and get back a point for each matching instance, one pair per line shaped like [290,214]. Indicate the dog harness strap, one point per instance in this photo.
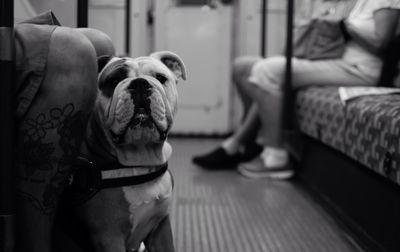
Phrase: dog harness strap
[87,180]
[134,180]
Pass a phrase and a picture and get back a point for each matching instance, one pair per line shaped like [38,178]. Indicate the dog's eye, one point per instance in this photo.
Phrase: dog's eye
[108,83]
[161,78]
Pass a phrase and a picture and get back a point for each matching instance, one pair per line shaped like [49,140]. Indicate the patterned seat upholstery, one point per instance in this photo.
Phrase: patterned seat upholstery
[321,115]
[367,129]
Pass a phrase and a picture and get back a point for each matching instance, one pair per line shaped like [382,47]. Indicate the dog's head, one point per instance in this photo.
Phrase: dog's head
[137,98]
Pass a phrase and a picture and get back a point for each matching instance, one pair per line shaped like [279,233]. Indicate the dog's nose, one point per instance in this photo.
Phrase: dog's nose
[141,86]
[140,91]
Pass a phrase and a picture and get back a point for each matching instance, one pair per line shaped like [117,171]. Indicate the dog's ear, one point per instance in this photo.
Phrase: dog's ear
[172,61]
[102,62]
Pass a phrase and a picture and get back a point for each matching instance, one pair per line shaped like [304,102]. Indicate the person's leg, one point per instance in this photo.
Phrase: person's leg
[248,130]
[246,133]
[50,134]
[227,154]
[241,70]
[265,88]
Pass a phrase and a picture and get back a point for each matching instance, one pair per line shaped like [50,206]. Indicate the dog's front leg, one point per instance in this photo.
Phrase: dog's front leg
[160,239]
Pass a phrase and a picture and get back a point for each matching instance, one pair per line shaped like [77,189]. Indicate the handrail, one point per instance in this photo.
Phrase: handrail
[127,27]
[264,28]
[82,13]
[7,127]
[287,101]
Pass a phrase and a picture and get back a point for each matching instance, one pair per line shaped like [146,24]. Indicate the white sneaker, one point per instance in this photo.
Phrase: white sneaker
[272,163]
[275,157]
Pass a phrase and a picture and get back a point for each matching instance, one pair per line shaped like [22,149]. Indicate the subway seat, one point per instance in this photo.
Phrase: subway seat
[366,129]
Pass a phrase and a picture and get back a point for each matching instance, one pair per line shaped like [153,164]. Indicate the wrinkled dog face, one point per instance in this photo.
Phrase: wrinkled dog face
[137,100]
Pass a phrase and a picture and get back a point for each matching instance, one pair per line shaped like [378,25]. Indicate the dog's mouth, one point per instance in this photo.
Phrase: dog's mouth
[142,117]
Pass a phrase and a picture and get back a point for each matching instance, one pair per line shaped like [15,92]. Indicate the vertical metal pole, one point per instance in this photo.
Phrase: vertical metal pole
[82,13]
[127,27]
[264,27]
[7,176]
[287,114]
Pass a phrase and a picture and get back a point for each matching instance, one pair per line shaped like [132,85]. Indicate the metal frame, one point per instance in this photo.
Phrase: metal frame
[7,127]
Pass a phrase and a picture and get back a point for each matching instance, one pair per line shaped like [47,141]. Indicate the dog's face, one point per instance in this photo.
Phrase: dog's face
[137,97]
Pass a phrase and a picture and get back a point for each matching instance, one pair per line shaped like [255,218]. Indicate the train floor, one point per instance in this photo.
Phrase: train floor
[221,211]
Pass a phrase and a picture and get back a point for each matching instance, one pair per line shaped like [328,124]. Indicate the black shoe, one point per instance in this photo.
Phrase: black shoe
[217,159]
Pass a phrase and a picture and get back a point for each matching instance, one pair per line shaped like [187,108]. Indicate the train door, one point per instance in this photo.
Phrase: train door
[200,32]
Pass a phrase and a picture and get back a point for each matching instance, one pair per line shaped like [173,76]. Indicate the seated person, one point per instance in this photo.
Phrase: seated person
[56,75]
[370,26]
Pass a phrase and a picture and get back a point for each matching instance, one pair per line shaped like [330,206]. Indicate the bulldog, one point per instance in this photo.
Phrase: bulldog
[127,146]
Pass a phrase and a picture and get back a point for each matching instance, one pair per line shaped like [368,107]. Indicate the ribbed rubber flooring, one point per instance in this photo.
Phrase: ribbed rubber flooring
[224,212]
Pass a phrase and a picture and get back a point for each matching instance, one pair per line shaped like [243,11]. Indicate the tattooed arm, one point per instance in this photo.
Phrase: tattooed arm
[47,148]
